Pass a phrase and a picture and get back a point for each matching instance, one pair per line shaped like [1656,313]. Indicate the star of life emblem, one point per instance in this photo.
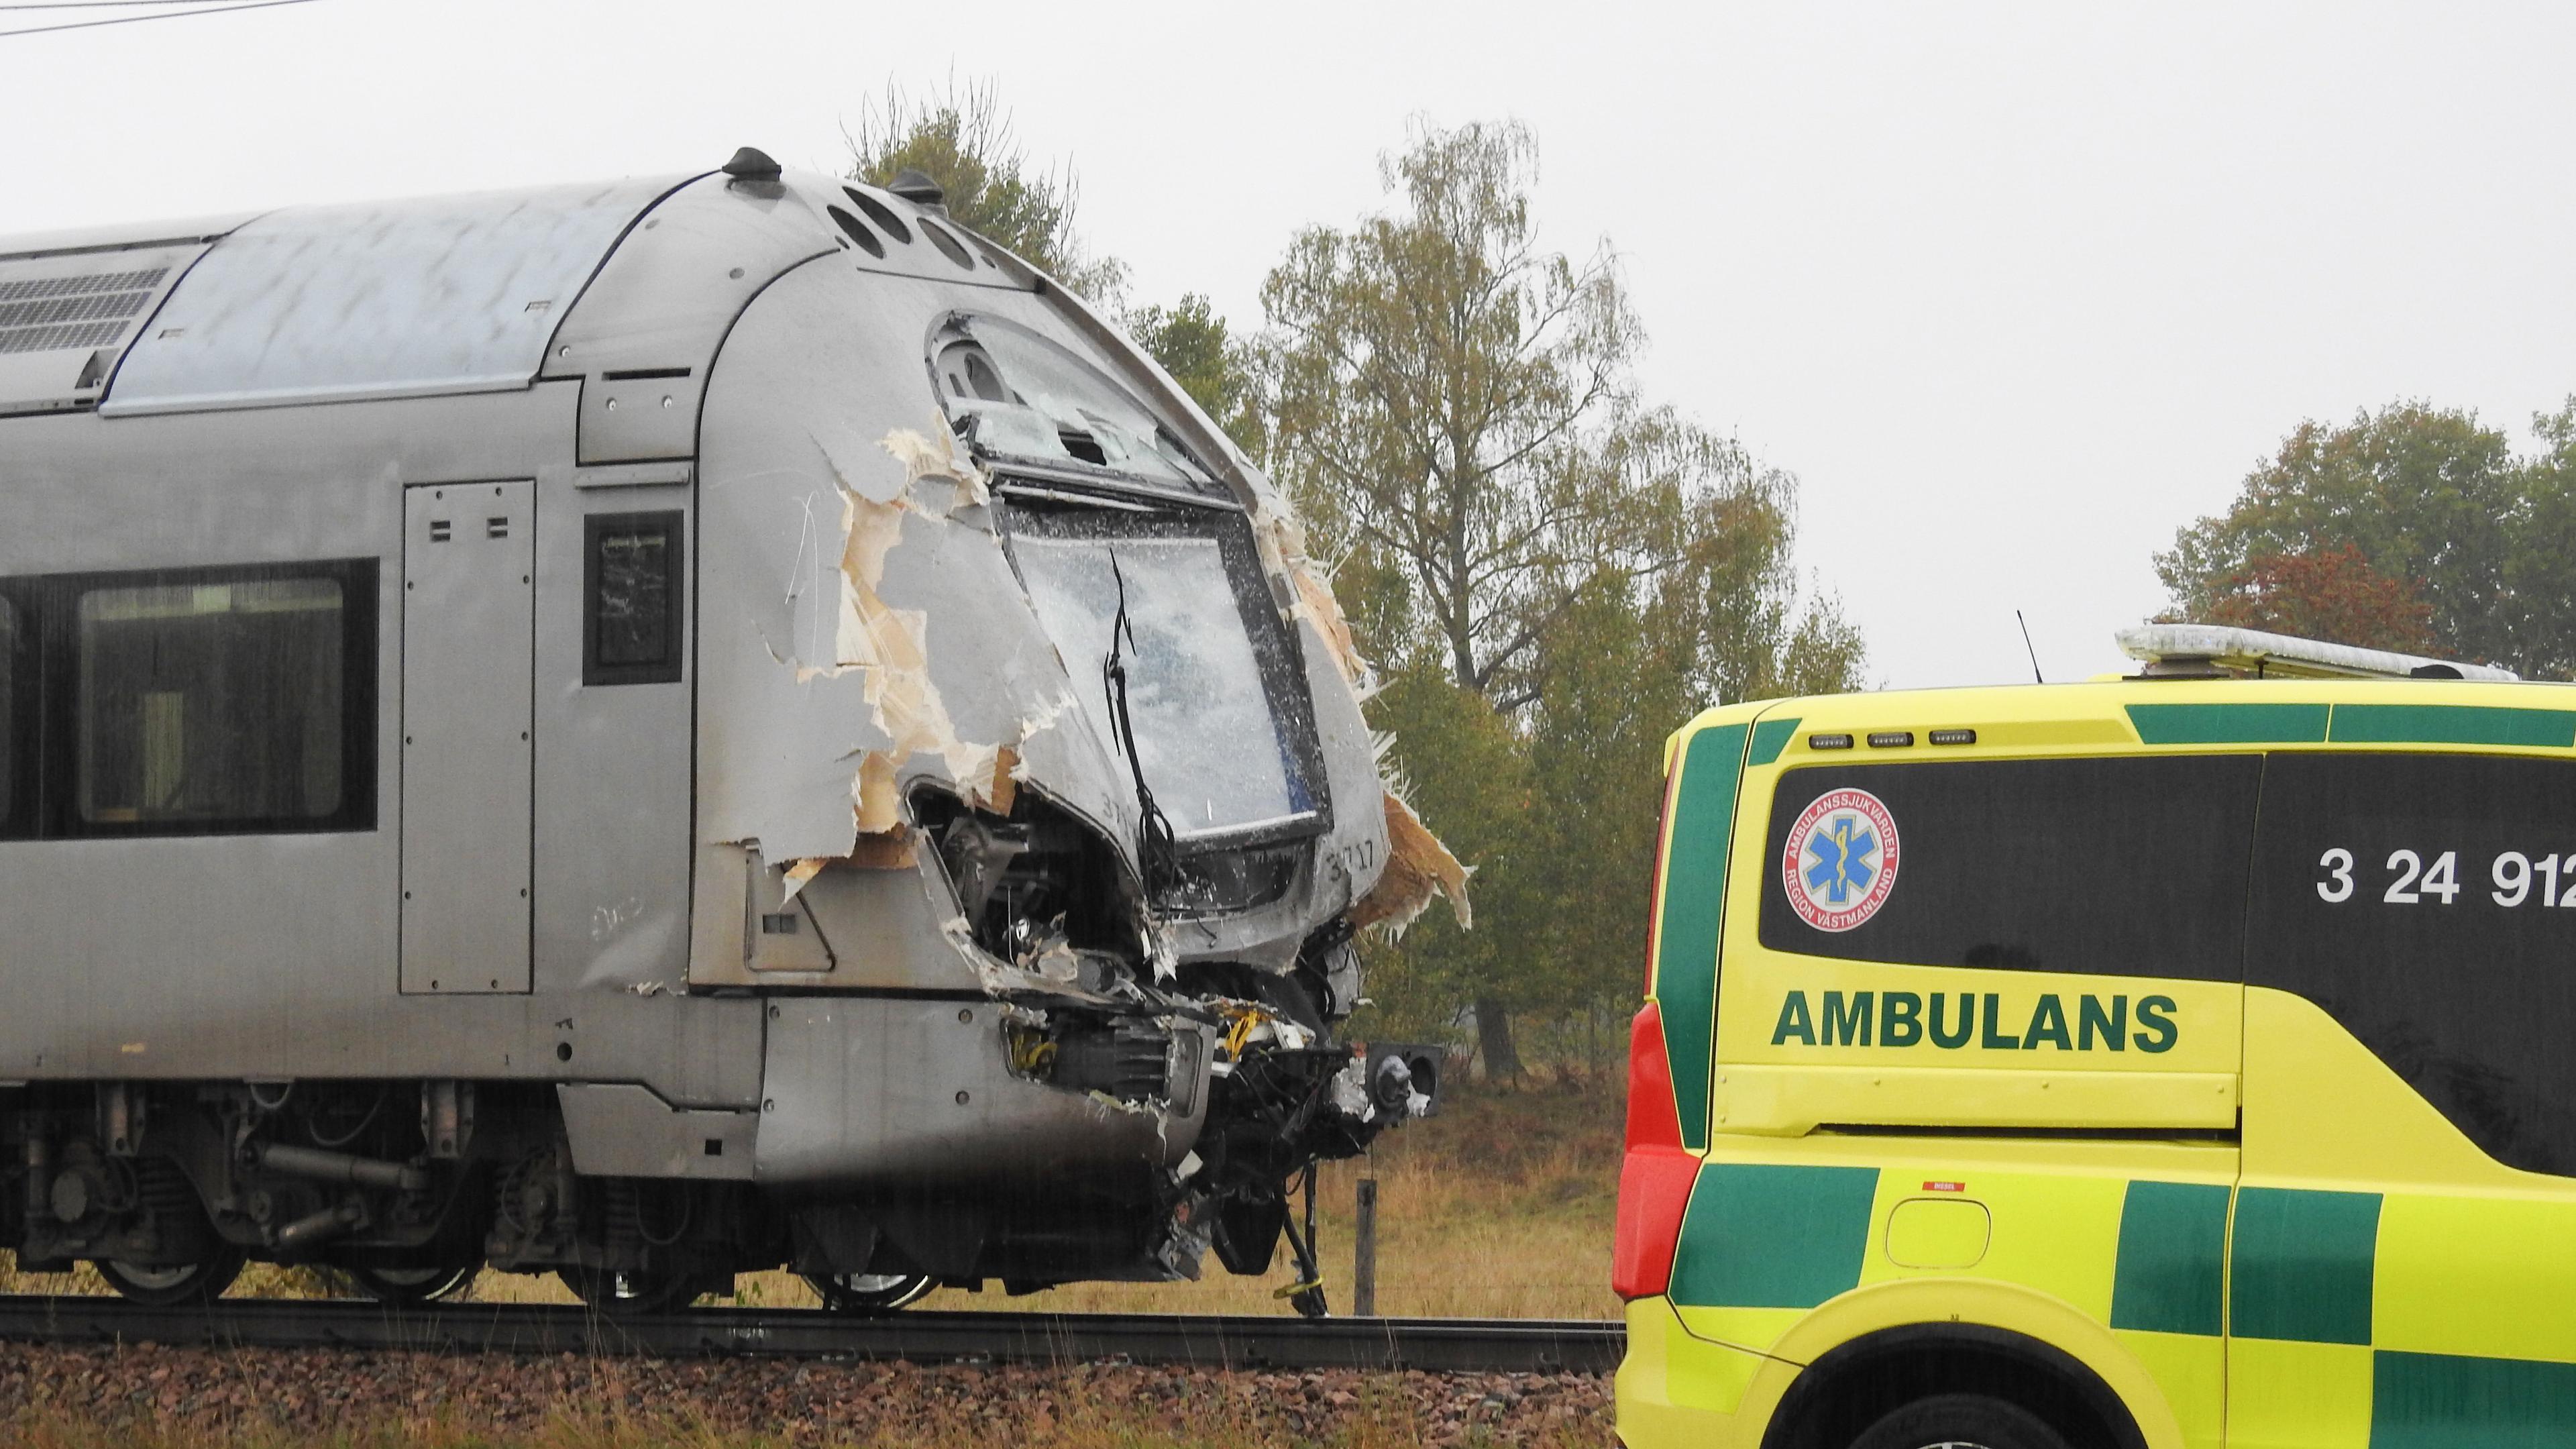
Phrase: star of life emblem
[1840,863]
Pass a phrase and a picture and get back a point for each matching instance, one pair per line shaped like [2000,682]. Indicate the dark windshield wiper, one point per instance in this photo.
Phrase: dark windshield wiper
[1156,845]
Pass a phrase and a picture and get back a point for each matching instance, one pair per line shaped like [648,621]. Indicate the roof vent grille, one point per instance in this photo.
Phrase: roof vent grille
[44,314]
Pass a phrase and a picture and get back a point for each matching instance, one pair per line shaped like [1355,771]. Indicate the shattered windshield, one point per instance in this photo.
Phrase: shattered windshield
[1207,739]
[1017,394]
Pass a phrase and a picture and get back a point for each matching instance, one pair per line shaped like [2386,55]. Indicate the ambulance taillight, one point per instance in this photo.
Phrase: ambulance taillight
[1656,1176]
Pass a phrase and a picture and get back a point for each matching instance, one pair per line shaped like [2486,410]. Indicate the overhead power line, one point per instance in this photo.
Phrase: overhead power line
[90,4]
[134,19]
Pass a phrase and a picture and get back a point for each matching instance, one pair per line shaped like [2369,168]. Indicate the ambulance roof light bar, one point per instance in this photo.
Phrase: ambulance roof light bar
[2212,651]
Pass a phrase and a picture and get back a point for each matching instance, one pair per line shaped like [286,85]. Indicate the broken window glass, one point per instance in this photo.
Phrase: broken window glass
[1026,397]
[1210,746]
[634,599]
[211,705]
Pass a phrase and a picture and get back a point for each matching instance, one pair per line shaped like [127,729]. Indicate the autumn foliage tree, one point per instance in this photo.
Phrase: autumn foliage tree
[2422,497]
[2324,592]
[2413,527]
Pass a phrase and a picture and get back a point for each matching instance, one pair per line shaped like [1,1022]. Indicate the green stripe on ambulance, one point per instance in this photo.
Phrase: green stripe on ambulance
[1694,913]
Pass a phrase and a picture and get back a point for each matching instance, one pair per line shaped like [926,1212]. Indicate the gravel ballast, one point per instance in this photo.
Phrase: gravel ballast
[227,1394]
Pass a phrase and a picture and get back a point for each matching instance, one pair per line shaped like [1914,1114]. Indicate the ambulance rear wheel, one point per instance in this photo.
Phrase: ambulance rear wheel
[1960,1421]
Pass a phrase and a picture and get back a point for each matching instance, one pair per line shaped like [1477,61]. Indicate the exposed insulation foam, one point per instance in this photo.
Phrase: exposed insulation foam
[890,647]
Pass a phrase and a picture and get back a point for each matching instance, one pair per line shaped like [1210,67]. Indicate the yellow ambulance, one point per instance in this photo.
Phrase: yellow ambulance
[2184,1059]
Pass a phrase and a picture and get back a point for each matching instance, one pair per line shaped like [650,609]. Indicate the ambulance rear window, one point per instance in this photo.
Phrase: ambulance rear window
[2121,867]
[2428,903]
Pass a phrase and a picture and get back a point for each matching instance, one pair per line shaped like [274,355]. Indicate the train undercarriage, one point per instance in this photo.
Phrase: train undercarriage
[409,1189]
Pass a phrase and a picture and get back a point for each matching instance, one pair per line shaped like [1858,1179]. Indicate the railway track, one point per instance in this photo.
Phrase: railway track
[1481,1345]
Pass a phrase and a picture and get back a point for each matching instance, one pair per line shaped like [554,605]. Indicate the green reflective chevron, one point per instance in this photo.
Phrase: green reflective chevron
[1694,910]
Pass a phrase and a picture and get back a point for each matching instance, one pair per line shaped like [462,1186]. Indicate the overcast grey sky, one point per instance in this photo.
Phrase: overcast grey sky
[2014,289]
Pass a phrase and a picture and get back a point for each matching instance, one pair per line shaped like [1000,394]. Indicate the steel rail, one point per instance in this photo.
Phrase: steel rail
[1473,1345]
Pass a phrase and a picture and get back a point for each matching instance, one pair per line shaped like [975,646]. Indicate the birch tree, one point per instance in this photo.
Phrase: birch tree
[1454,407]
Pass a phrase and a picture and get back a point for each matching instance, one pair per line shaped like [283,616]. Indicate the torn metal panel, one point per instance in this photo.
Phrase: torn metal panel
[782,728]
[849,927]
[1418,867]
[920,594]
[891,646]
[1283,552]
[915,1094]
[1358,846]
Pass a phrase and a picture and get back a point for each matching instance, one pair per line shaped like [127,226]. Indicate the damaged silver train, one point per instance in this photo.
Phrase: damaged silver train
[649,731]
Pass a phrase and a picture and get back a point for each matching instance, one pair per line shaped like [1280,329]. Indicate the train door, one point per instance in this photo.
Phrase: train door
[469,616]
[614,706]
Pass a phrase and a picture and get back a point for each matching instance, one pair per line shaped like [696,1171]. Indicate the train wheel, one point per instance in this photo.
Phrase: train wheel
[414,1285]
[870,1294]
[631,1294]
[202,1282]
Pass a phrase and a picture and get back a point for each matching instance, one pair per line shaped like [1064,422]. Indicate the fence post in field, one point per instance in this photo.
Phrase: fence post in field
[1364,1253]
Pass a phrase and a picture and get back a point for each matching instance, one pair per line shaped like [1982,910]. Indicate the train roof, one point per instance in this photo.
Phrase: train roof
[423,296]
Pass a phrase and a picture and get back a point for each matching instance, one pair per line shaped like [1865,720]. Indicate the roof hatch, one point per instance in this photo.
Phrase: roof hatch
[378,299]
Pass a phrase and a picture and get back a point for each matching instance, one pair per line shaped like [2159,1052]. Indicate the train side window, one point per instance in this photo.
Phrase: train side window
[219,701]
[632,587]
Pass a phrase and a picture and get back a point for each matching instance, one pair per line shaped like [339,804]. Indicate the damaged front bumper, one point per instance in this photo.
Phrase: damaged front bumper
[1055,997]
[1082,1114]
[1101,1107]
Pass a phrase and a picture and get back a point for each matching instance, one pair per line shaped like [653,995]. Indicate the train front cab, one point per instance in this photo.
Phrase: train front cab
[2141,1063]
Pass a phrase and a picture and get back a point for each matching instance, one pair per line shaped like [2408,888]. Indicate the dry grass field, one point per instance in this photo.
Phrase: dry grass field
[1501,1207]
